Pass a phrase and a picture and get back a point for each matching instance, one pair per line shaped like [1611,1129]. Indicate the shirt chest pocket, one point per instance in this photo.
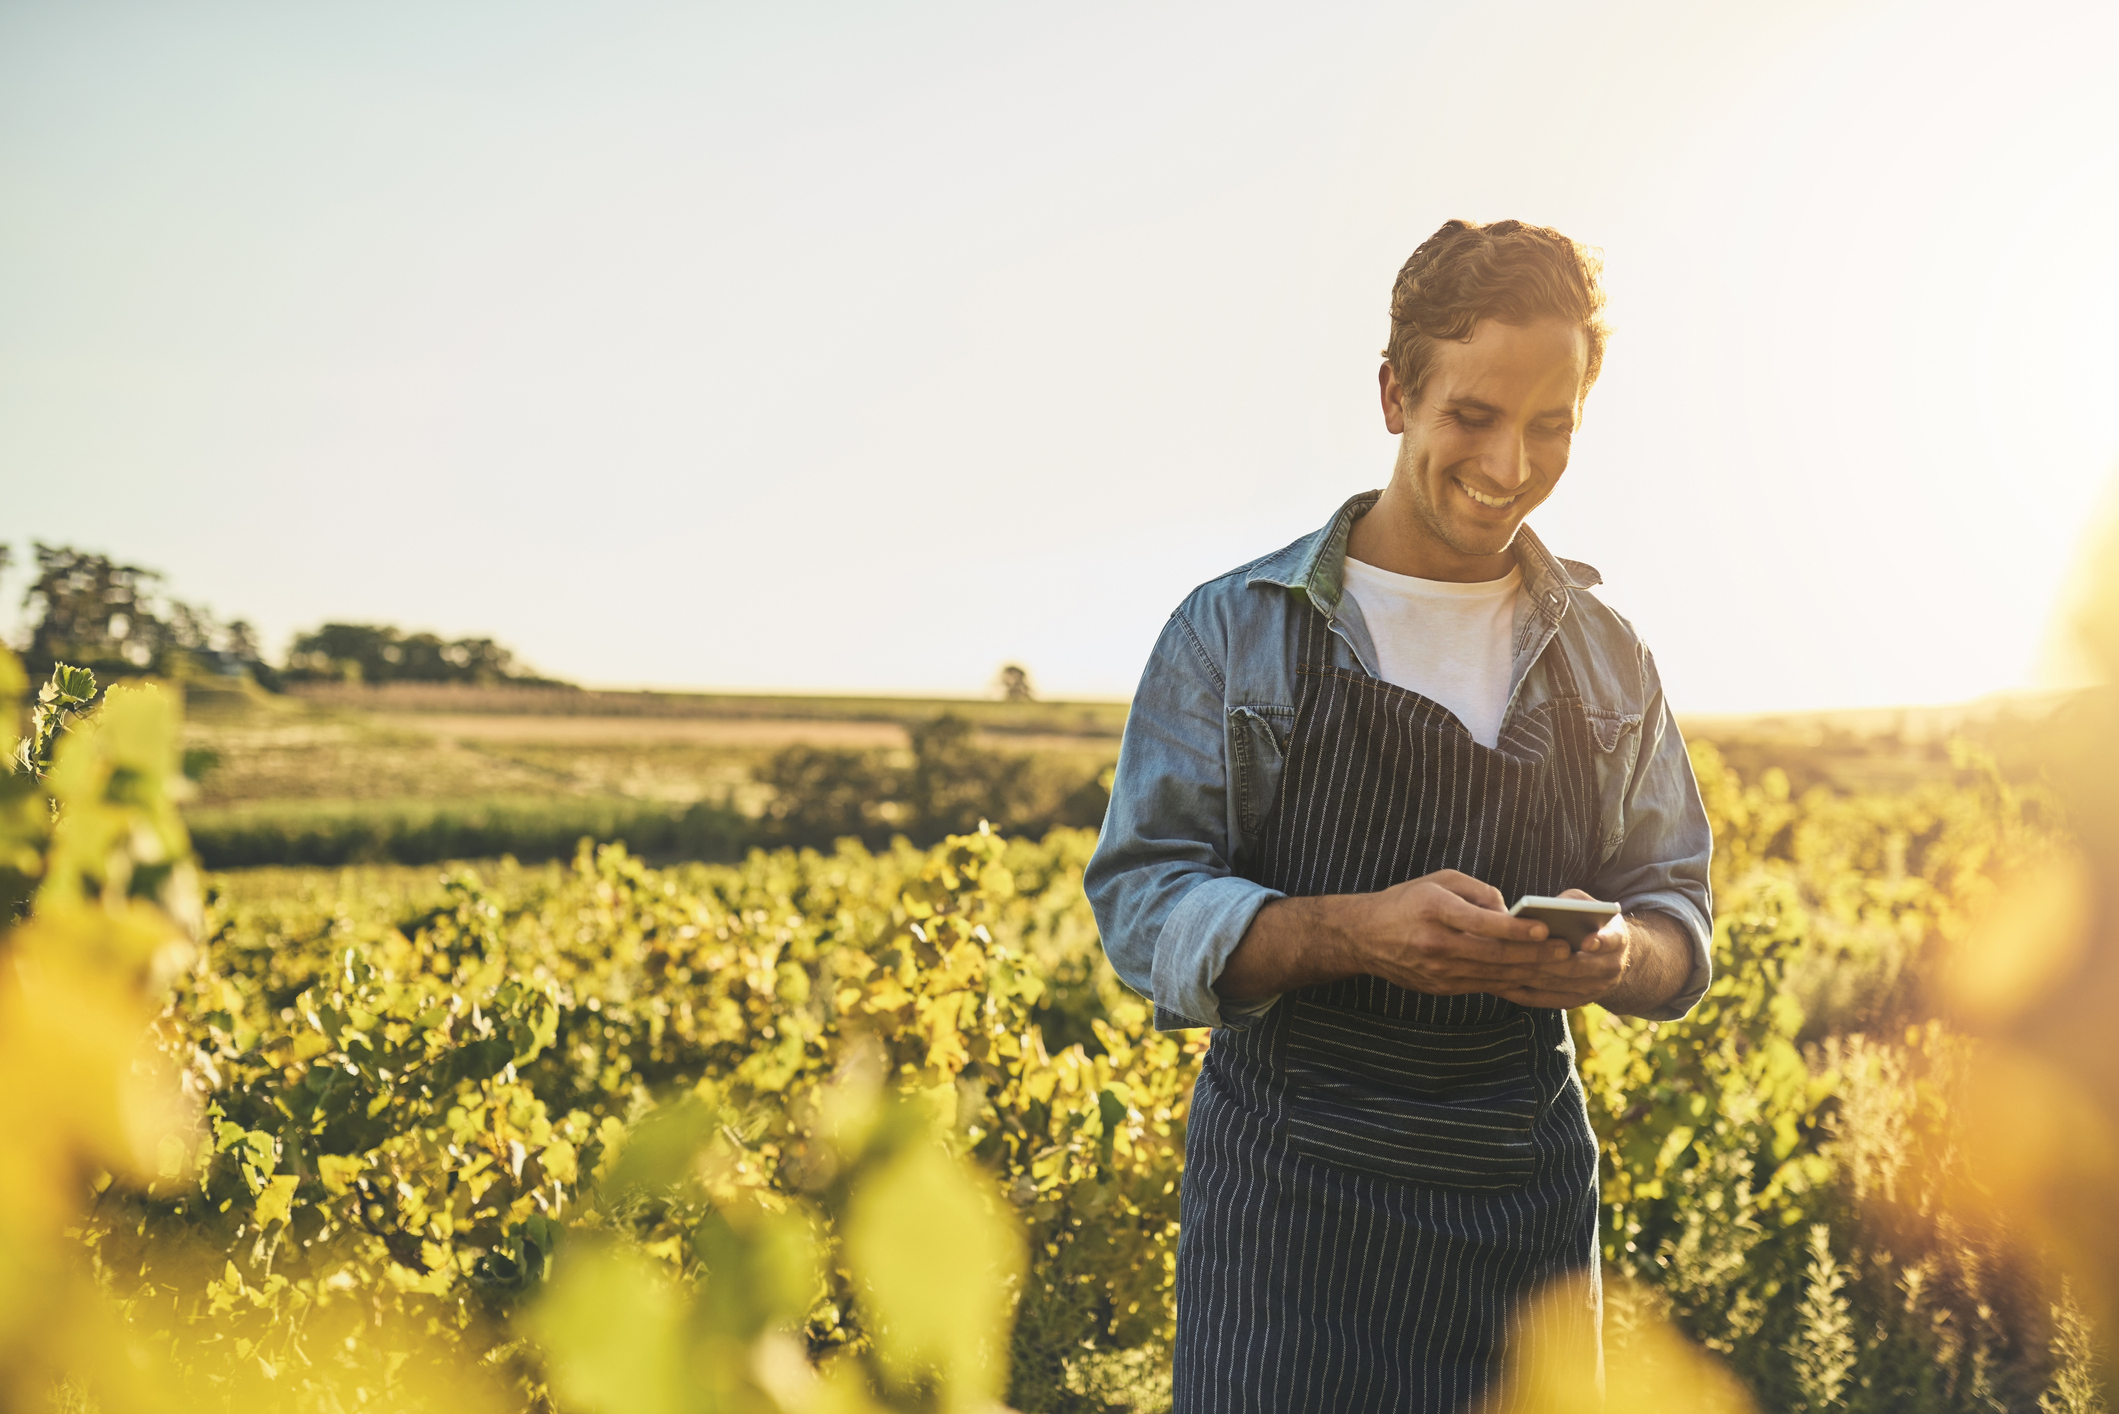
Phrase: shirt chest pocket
[1258,750]
[1617,738]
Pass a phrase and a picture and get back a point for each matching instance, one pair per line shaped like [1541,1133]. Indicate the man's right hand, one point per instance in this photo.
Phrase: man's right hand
[1447,934]
[1444,933]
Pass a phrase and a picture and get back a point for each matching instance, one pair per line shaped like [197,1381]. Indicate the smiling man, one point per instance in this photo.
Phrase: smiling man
[1345,762]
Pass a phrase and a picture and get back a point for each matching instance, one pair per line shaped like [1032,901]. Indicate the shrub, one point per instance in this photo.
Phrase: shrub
[619,1137]
[950,786]
[420,832]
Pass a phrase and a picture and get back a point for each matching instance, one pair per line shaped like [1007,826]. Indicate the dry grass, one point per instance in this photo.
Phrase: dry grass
[303,749]
[1091,719]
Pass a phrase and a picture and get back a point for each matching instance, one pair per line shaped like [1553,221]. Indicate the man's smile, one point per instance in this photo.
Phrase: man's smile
[1499,503]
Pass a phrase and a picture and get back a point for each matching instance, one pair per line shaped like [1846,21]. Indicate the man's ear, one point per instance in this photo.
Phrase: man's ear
[1393,399]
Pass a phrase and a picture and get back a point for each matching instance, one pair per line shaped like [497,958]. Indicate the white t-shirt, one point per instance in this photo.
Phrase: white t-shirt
[1446,641]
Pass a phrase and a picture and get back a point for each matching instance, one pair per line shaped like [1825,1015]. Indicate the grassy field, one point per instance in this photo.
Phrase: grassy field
[1883,748]
[420,773]
[415,772]
[415,742]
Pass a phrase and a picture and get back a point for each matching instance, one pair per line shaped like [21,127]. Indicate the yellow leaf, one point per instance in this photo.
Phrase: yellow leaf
[1652,1368]
[560,1161]
[887,996]
[338,1171]
[1673,1145]
[276,1199]
[945,1045]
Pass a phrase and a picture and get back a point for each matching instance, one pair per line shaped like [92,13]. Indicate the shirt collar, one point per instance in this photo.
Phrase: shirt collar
[1316,565]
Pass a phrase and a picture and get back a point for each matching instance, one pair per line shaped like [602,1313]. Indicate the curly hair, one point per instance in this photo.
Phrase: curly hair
[1504,270]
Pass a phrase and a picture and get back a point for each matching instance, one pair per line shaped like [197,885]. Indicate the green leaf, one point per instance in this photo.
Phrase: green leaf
[479,1060]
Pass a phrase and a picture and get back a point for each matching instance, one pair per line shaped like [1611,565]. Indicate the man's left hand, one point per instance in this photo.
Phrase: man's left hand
[1632,964]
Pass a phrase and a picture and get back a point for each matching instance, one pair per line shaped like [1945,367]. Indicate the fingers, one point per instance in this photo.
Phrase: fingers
[1611,938]
[1494,959]
[1472,891]
[1564,987]
[1505,971]
[1605,939]
[1453,910]
[1449,934]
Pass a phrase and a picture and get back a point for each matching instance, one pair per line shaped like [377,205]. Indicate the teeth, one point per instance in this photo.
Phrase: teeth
[1497,502]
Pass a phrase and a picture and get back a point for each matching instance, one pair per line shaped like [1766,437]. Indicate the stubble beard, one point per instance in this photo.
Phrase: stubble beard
[1434,521]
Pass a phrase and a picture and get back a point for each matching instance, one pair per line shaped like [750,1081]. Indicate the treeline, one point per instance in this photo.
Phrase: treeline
[91,611]
[375,653]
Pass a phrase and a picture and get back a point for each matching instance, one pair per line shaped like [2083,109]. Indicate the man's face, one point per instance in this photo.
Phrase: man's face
[1488,437]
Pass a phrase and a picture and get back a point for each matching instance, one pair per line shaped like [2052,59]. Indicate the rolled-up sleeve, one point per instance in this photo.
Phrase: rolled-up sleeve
[1661,863]
[1166,898]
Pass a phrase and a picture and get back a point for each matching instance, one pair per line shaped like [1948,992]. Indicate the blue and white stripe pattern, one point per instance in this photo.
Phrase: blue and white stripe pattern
[1375,1178]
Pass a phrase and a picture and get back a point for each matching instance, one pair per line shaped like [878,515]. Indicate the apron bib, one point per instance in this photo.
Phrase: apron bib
[1375,1177]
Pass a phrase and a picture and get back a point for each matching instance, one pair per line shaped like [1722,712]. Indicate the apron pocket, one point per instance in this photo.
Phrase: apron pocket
[1447,1106]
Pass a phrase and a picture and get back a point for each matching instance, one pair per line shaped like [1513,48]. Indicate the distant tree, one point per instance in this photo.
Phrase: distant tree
[1014,683]
[242,641]
[355,652]
[92,612]
[379,653]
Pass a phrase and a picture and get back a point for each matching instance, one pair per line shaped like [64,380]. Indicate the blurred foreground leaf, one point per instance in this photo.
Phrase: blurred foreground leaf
[613,1331]
[940,1265]
[1651,1370]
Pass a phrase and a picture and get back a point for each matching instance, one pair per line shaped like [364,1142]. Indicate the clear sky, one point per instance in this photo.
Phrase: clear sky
[832,346]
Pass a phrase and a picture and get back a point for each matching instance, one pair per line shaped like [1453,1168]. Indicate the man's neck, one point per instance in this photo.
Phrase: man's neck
[1392,537]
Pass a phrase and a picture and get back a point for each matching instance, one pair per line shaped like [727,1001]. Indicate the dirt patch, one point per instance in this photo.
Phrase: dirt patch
[621,731]
[765,733]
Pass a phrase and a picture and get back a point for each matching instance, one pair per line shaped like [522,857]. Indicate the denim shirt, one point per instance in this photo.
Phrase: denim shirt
[1206,744]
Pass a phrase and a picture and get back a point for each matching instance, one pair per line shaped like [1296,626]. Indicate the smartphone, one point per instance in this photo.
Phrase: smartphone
[1574,919]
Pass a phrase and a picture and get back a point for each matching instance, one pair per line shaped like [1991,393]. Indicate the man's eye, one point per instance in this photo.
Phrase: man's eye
[1467,420]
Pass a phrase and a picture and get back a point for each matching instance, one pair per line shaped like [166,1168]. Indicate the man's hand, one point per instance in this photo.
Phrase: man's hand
[1448,934]
[1445,934]
[1630,967]
[1575,979]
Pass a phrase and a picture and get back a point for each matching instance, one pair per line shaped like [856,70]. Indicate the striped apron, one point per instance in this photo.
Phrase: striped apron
[1374,1177]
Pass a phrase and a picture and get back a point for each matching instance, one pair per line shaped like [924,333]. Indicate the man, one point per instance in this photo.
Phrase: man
[1346,761]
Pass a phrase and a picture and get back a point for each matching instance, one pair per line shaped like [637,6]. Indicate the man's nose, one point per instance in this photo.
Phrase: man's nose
[1507,462]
